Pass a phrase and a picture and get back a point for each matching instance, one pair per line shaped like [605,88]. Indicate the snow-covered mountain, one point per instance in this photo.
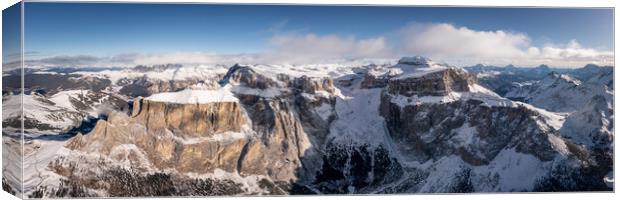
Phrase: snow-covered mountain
[415,126]
[591,70]
[59,112]
[503,79]
[592,125]
[558,92]
[584,95]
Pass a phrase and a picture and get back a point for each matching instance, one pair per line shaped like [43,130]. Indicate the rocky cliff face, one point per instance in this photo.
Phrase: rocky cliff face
[189,120]
[433,84]
[199,138]
[472,131]
[252,136]
[150,142]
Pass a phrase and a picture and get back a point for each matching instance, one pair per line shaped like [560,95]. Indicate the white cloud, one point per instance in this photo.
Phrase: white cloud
[290,48]
[466,46]
[445,40]
[194,58]
[131,60]
[311,48]
[440,41]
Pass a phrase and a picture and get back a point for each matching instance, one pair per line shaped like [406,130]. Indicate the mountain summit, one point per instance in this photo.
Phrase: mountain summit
[416,61]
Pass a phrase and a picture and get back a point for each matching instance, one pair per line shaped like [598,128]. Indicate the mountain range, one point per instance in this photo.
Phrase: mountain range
[417,126]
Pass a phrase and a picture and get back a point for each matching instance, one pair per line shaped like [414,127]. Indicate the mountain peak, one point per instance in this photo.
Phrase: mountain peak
[415,60]
[553,75]
[479,65]
[543,66]
[238,73]
[591,66]
[510,66]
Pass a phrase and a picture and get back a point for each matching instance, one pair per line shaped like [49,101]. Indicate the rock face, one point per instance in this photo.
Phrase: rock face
[417,126]
[432,84]
[194,120]
[254,136]
[199,138]
[153,142]
[418,76]
[428,131]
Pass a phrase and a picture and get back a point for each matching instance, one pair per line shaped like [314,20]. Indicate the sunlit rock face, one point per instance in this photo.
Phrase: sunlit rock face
[249,135]
[199,138]
[190,120]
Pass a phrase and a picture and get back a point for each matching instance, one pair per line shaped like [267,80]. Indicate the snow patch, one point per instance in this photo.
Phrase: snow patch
[358,117]
[63,98]
[476,92]
[442,174]
[324,111]
[61,116]
[511,171]
[219,137]
[189,96]
[268,92]
[181,73]
[553,119]
[465,134]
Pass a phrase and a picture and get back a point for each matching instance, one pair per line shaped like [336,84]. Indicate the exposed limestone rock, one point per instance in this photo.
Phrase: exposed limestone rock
[190,138]
[373,81]
[281,145]
[193,120]
[434,84]
[312,85]
[197,138]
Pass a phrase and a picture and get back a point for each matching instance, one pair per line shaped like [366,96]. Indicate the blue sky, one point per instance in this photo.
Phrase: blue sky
[54,29]
[11,32]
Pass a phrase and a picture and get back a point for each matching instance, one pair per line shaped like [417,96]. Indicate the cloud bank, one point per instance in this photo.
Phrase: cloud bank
[463,45]
[311,48]
[439,41]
